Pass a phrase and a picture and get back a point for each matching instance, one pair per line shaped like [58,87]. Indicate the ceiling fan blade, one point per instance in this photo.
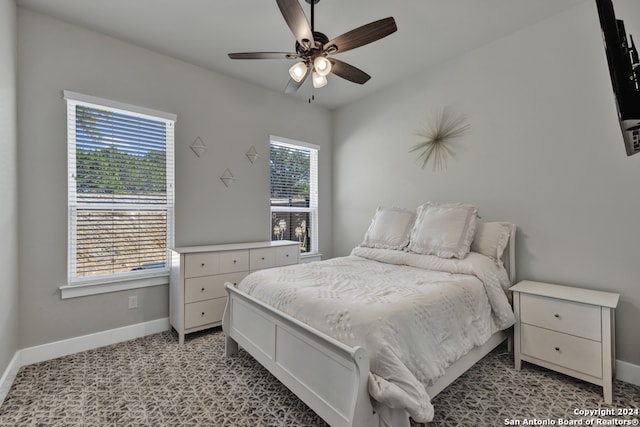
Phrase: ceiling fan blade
[263,55]
[362,35]
[293,86]
[297,21]
[348,72]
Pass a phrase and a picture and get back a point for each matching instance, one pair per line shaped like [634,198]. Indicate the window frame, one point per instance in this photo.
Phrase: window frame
[82,286]
[313,208]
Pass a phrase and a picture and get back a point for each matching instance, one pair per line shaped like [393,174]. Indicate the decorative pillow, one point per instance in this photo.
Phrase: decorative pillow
[389,229]
[444,229]
[491,239]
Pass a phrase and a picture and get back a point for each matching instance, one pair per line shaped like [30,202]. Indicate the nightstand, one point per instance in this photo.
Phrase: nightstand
[567,329]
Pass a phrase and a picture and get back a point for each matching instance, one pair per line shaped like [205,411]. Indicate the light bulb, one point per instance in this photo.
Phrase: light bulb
[298,71]
[322,65]
[318,80]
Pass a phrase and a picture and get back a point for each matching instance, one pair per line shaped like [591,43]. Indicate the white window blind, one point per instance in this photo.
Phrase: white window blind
[294,192]
[121,190]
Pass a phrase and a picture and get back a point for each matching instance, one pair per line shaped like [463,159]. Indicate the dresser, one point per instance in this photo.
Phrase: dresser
[567,329]
[197,296]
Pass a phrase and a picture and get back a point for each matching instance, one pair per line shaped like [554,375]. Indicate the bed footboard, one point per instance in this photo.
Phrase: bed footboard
[329,376]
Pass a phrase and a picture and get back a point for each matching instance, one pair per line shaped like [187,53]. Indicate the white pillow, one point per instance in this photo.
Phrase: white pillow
[491,239]
[389,229]
[444,229]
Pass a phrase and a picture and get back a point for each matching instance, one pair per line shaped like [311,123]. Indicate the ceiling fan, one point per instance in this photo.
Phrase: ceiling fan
[315,50]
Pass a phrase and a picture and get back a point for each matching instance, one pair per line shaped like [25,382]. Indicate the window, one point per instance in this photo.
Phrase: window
[120,192]
[294,193]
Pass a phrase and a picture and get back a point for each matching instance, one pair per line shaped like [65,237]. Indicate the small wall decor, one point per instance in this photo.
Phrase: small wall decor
[252,154]
[198,147]
[227,178]
[438,133]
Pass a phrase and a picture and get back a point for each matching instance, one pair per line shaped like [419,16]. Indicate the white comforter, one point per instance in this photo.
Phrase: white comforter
[414,314]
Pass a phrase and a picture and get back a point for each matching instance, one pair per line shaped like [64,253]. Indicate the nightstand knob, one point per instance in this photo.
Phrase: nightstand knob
[557,348]
[262,258]
[202,289]
[202,314]
[202,264]
[234,261]
[557,316]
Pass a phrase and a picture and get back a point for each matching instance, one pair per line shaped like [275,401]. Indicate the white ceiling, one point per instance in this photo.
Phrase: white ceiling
[202,32]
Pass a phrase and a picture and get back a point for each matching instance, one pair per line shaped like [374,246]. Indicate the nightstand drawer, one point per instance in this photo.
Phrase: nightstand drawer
[582,320]
[571,352]
[203,312]
[208,287]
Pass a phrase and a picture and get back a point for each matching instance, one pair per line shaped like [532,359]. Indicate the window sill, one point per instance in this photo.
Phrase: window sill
[86,289]
[310,257]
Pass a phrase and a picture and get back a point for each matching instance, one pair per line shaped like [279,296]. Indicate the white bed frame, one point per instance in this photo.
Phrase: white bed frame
[327,375]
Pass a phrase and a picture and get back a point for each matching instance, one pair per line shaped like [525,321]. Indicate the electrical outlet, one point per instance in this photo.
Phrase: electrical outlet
[133,302]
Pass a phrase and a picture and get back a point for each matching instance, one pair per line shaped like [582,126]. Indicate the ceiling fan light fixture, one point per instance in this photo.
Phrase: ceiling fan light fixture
[298,71]
[313,48]
[319,80]
[322,65]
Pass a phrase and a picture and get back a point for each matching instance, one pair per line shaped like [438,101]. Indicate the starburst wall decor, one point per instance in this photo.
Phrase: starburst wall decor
[438,133]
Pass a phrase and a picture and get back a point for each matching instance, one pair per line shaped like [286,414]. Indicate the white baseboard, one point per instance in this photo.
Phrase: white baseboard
[628,372]
[9,376]
[40,353]
[69,346]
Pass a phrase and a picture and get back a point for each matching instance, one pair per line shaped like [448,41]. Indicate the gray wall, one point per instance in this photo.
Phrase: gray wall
[544,151]
[8,186]
[228,115]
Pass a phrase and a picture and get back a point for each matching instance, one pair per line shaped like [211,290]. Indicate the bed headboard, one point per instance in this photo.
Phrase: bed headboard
[509,255]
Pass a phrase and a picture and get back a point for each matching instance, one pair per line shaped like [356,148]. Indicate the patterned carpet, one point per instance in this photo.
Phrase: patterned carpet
[153,381]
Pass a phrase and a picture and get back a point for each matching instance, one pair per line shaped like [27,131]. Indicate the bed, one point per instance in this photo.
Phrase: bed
[367,339]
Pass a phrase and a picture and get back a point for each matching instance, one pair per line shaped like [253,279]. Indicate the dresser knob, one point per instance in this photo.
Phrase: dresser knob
[558,349]
[263,258]
[202,314]
[202,289]
[202,264]
[557,316]
[286,256]
[234,261]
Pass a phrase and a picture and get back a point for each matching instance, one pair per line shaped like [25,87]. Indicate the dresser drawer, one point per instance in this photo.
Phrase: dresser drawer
[203,312]
[262,258]
[571,352]
[582,320]
[233,261]
[201,264]
[287,255]
[207,287]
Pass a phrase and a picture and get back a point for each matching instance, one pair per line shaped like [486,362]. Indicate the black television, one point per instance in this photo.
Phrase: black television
[624,69]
